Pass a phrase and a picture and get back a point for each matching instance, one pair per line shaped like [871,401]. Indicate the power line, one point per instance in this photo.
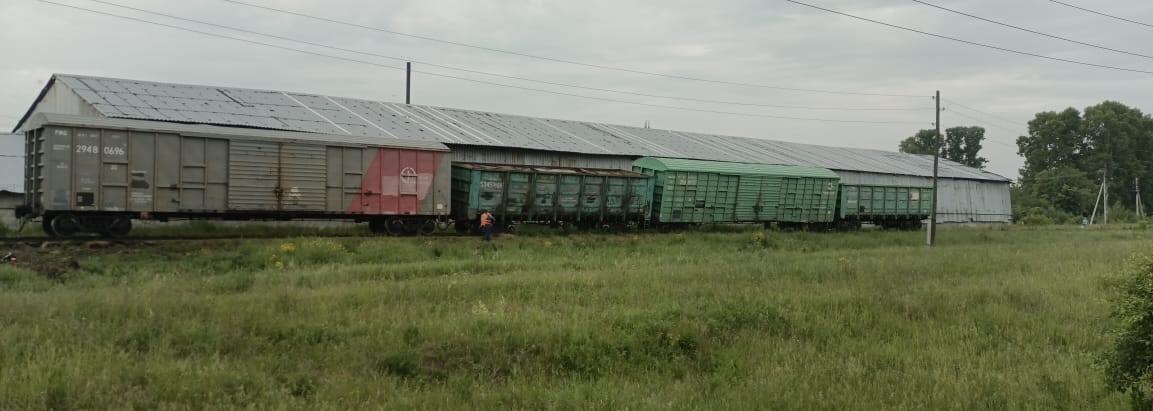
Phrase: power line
[1034,31]
[1024,53]
[985,123]
[573,62]
[991,115]
[469,79]
[1095,12]
[365,53]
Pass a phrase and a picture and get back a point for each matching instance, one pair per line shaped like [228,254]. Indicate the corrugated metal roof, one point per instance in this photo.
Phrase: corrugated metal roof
[677,164]
[346,116]
[201,130]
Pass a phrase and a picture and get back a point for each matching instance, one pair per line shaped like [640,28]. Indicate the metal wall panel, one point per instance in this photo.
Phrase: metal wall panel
[114,172]
[253,175]
[969,201]
[959,200]
[33,167]
[216,174]
[203,174]
[344,174]
[874,179]
[142,170]
[277,176]
[60,98]
[167,192]
[86,169]
[192,174]
[302,178]
[56,169]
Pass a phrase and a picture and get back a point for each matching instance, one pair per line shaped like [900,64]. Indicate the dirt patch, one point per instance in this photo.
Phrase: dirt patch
[54,259]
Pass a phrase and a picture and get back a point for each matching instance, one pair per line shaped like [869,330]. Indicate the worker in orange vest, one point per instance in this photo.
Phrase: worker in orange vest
[486,224]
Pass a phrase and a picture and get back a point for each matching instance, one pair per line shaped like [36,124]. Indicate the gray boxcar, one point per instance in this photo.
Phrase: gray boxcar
[97,175]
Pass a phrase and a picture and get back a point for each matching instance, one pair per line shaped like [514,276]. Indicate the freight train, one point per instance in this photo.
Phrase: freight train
[94,175]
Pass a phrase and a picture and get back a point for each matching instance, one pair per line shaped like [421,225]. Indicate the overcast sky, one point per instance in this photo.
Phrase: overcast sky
[769,42]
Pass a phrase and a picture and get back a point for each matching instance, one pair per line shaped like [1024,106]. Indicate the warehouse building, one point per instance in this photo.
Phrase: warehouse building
[966,194]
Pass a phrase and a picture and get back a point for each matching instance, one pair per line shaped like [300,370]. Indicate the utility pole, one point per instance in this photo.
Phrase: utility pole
[936,161]
[408,83]
[1137,204]
[1097,200]
[1105,188]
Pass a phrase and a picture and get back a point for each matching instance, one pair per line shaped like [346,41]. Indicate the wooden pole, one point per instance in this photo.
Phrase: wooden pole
[936,163]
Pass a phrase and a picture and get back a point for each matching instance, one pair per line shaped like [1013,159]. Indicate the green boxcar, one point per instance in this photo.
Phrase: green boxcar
[894,206]
[516,194]
[694,191]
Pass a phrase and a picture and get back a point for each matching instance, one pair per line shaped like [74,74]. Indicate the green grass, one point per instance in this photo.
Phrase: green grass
[991,319]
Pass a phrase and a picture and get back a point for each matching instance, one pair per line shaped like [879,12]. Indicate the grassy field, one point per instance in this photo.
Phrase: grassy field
[992,319]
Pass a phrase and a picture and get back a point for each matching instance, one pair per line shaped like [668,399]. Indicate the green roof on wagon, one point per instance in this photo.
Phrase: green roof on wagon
[679,164]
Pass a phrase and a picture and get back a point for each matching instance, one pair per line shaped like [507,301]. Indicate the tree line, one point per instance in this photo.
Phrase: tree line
[1067,155]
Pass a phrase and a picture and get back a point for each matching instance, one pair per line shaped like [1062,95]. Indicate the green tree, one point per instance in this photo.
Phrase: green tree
[1054,140]
[962,144]
[1066,189]
[1079,147]
[920,143]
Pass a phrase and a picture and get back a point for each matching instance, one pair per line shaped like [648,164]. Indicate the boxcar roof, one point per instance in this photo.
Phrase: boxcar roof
[549,170]
[48,119]
[278,110]
[677,164]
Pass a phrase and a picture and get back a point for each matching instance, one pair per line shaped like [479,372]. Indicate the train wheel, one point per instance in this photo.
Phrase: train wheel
[394,226]
[46,225]
[428,227]
[65,225]
[117,227]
